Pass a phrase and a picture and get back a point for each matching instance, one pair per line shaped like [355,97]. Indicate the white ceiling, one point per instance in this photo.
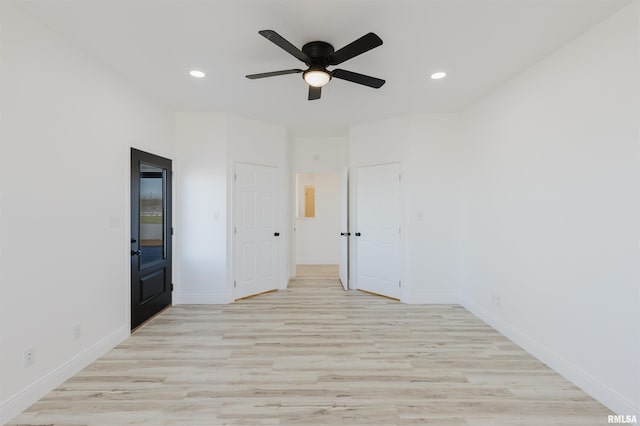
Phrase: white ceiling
[480,44]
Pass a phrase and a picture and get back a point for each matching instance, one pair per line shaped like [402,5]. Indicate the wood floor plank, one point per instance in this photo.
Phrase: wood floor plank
[316,355]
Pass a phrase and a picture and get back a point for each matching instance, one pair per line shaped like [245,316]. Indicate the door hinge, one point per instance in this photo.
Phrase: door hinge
[399,283]
[235,230]
[400,177]
[400,230]
[172,287]
[235,177]
[234,284]
[172,230]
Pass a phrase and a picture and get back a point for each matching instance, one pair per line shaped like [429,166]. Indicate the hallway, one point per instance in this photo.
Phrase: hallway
[310,272]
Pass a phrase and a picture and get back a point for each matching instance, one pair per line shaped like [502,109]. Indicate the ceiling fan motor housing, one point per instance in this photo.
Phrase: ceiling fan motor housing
[318,53]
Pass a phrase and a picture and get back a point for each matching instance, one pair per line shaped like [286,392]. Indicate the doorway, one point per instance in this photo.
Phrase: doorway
[321,226]
[317,222]
[151,235]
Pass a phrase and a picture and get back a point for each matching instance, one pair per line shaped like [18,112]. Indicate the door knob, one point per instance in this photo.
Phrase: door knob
[344,234]
[358,234]
[133,252]
[276,234]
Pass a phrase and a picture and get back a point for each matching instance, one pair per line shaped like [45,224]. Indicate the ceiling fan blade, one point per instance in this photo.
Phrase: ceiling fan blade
[355,48]
[354,77]
[314,93]
[273,74]
[279,41]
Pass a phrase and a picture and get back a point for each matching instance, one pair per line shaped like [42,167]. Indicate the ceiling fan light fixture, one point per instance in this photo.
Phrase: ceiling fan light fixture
[316,77]
[197,73]
[438,75]
[317,56]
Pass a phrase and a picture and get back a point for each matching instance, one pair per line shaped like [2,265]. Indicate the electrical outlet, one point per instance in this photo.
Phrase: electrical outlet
[29,357]
[77,331]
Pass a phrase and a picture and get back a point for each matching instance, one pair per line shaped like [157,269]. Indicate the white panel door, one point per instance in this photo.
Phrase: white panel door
[344,228]
[377,233]
[256,232]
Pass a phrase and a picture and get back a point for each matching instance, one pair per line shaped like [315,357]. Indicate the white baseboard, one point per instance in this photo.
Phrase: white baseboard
[585,381]
[202,299]
[317,261]
[431,299]
[32,393]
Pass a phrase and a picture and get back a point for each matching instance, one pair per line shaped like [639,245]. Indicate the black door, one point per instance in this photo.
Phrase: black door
[150,235]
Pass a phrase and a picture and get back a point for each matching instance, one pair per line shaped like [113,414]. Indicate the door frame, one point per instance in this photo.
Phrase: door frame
[353,226]
[232,259]
[345,228]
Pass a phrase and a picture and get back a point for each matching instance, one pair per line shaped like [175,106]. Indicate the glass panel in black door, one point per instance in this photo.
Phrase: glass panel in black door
[152,206]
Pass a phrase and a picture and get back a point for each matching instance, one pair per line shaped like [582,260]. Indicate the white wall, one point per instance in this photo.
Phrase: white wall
[67,128]
[432,188]
[318,238]
[208,147]
[252,141]
[427,147]
[201,216]
[320,155]
[550,225]
[380,142]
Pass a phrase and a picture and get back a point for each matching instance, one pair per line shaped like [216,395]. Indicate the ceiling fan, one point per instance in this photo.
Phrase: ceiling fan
[318,55]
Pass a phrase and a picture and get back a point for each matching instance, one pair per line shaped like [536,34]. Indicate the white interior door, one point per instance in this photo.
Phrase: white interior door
[344,228]
[377,233]
[256,232]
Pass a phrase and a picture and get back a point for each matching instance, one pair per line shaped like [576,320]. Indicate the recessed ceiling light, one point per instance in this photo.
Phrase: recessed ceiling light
[196,73]
[438,75]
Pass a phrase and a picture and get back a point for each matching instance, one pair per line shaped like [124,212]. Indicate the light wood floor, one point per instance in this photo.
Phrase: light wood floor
[310,272]
[316,355]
